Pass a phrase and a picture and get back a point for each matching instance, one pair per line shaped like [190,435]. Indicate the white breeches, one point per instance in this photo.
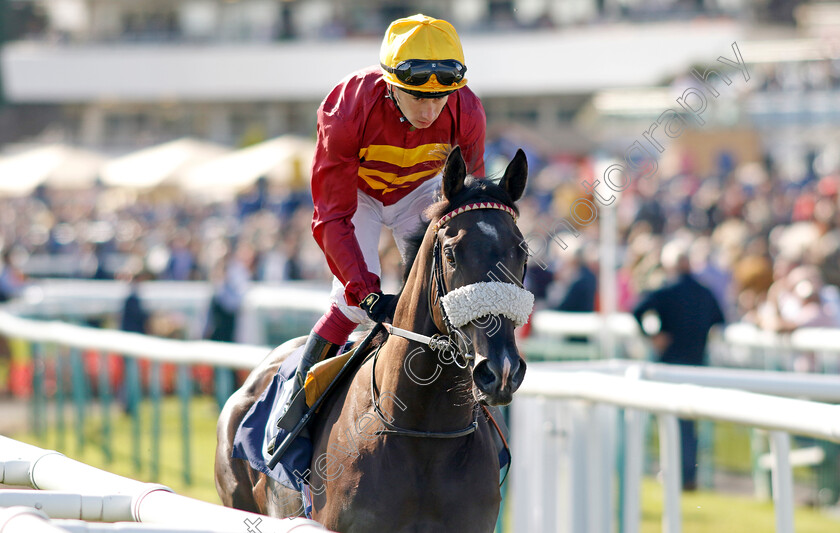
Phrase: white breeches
[402,218]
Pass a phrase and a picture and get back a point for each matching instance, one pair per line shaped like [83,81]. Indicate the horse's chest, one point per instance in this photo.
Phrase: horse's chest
[404,490]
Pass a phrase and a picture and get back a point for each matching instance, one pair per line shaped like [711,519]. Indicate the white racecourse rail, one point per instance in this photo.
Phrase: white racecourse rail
[78,299]
[565,444]
[88,493]
[84,298]
[133,344]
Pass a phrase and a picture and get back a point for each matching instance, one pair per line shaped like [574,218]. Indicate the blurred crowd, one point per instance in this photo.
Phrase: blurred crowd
[99,235]
[767,247]
[106,234]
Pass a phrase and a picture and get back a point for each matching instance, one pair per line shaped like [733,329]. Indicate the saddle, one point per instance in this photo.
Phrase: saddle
[258,429]
[321,375]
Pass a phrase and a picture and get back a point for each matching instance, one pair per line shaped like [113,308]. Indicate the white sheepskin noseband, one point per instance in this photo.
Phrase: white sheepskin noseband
[465,304]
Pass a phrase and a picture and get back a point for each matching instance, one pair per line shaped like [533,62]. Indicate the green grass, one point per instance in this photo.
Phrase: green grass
[708,512]
[731,446]
[732,450]
[203,416]
[705,512]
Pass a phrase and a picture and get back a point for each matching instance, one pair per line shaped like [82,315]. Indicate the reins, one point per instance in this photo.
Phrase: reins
[396,430]
[392,429]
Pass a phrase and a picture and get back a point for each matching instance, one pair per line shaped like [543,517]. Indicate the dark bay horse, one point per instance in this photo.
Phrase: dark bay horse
[404,446]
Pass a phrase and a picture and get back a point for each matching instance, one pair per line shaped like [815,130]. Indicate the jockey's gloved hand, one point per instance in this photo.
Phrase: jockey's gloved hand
[379,307]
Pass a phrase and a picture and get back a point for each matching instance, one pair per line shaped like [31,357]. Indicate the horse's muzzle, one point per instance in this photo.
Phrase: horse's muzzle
[497,382]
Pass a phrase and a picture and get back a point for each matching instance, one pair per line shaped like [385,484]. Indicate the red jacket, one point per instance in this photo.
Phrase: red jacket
[362,144]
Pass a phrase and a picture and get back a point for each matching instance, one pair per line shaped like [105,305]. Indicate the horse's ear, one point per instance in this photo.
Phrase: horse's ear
[516,174]
[454,172]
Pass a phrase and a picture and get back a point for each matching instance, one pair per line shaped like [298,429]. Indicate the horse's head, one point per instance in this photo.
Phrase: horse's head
[479,264]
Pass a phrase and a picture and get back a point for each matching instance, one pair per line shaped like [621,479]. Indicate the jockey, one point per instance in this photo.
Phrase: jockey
[383,133]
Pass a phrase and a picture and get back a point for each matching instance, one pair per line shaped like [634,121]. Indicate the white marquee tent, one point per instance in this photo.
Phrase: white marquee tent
[285,160]
[162,165]
[56,166]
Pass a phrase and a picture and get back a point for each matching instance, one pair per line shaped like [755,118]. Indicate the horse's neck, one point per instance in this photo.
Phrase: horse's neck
[438,396]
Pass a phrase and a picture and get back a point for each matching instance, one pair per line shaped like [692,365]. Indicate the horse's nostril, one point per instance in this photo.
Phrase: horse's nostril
[518,374]
[484,376]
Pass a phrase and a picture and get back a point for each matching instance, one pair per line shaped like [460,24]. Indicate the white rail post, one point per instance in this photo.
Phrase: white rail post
[670,458]
[609,454]
[525,478]
[592,431]
[782,481]
[633,461]
[599,426]
[554,462]
[578,464]
[543,482]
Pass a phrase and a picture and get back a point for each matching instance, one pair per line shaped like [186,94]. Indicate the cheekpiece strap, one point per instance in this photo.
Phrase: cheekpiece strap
[471,207]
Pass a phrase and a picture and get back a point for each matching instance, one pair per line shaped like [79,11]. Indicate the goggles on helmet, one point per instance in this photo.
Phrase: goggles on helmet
[417,72]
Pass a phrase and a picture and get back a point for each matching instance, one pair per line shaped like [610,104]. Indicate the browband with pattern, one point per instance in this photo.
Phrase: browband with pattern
[471,207]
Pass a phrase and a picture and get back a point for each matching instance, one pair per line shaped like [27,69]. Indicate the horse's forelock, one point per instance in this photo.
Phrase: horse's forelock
[474,190]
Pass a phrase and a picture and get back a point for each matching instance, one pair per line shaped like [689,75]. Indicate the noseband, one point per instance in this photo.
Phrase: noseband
[495,298]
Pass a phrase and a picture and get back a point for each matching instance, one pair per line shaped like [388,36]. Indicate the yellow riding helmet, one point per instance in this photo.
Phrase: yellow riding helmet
[422,38]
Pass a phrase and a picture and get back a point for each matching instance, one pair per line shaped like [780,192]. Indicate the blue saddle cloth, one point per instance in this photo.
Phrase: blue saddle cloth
[250,437]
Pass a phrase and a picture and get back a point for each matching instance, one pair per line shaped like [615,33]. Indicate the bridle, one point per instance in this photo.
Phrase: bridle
[454,341]
[457,342]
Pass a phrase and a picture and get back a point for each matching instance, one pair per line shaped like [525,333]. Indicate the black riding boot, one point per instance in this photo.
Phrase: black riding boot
[316,350]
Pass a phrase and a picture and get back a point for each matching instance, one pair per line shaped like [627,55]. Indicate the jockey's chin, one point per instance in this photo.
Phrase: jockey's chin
[421,125]
[419,112]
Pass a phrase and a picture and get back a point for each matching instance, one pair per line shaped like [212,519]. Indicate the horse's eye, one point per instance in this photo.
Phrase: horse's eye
[450,256]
